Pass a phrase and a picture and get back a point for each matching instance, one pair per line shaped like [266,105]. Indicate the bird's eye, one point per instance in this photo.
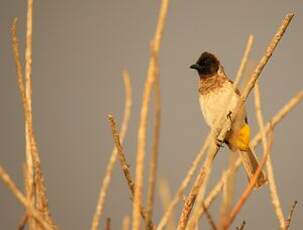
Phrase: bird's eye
[207,61]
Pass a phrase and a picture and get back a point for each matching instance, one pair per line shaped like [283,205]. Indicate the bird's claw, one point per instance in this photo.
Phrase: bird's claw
[219,143]
[229,115]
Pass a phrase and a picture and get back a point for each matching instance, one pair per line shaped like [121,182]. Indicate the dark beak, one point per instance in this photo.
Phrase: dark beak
[195,66]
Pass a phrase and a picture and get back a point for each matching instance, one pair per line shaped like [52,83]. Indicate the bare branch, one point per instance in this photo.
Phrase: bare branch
[293,102]
[244,59]
[155,145]
[165,196]
[113,158]
[141,139]
[123,162]
[23,200]
[28,98]
[34,173]
[209,218]
[271,179]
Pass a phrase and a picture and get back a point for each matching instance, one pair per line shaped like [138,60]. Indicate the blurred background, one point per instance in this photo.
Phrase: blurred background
[79,51]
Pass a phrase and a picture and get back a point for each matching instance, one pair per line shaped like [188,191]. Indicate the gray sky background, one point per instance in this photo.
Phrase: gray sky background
[79,51]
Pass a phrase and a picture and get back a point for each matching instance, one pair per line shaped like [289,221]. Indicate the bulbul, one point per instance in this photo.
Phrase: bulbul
[217,96]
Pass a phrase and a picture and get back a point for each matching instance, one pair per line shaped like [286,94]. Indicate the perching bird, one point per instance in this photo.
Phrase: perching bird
[217,96]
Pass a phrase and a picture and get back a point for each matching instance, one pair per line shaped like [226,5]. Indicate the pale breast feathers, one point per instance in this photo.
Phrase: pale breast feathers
[218,101]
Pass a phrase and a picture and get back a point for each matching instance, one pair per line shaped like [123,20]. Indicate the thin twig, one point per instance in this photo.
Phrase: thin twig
[191,198]
[179,194]
[113,158]
[290,216]
[28,94]
[271,179]
[249,188]
[123,162]
[228,187]
[244,59]
[25,217]
[31,145]
[209,218]
[265,58]
[16,53]
[165,196]
[29,180]
[40,188]
[141,139]
[155,146]
[210,198]
[33,171]
[280,115]
[23,200]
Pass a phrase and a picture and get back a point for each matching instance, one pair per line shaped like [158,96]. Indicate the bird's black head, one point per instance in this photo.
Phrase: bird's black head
[207,64]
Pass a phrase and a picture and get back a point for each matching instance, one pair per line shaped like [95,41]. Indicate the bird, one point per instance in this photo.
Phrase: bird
[218,97]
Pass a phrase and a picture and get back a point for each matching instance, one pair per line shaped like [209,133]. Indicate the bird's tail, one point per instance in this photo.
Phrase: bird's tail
[250,163]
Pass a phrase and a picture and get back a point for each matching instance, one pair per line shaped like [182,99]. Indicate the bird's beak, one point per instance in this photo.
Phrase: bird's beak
[195,66]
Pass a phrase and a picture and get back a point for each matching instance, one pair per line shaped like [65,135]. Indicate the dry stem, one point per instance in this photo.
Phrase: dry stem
[179,194]
[244,59]
[191,198]
[29,176]
[123,162]
[155,146]
[141,139]
[33,172]
[268,53]
[113,158]
[228,187]
[280,115]
[23,200]
[209,218]
[28,92]
[165,196]
[271,179]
